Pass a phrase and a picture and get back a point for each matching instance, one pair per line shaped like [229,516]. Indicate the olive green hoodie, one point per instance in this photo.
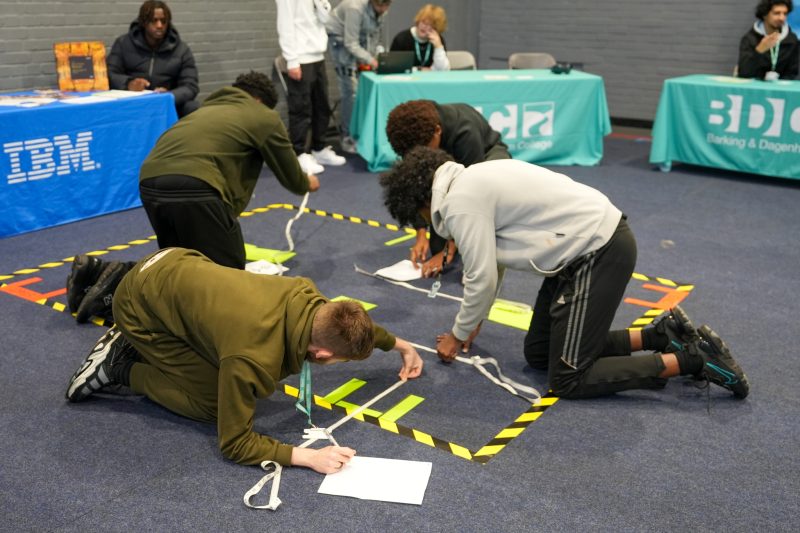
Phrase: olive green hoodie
[254,328]
[225,143]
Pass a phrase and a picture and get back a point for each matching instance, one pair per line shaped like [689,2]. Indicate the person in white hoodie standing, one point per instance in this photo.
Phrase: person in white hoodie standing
[303,42]
[512,214]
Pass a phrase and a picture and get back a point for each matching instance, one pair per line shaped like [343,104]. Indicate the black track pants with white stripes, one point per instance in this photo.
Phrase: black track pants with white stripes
[571,320]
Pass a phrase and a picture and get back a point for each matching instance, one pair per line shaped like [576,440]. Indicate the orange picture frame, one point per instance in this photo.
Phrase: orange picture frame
[81,66]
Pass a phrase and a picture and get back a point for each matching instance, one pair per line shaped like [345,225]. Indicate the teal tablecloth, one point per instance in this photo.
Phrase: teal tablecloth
[545,118]
[731,123]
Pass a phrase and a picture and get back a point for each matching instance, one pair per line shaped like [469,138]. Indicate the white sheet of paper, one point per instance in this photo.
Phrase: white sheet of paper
[374,478]
[118,93]
[265,267]
[400,271]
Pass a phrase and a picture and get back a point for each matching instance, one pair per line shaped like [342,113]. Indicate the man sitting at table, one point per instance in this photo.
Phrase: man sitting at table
[770,49]
[459,130]
[153,56]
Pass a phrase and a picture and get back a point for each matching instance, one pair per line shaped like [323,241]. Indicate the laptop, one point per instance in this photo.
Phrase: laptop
[395,62]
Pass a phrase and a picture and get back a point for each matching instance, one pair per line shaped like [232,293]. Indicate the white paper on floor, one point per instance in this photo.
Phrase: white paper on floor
[265,267]
[374,478]
[401,271]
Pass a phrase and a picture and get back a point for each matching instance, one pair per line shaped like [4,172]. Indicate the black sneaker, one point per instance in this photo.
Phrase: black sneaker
[677,327]
[97,372]
[85,271]
[719,366]
[99,297]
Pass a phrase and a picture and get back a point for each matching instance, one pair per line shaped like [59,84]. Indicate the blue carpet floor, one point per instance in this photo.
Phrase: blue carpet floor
[672,460]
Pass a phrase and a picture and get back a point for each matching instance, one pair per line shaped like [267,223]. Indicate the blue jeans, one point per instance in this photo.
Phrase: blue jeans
[347,73]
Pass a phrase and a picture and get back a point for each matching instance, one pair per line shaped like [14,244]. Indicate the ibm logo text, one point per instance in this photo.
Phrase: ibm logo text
[38,159]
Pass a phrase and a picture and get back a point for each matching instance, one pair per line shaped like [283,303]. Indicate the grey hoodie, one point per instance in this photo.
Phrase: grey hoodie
[511,214]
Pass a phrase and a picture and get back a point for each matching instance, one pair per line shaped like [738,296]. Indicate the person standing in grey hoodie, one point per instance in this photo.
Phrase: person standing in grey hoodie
[539,221]
[354,32]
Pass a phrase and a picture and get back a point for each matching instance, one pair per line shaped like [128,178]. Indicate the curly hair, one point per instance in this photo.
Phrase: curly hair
[258,85]
[434,15]
[147,12]
[411,124]
[765,6]
[407,187]
[344,328]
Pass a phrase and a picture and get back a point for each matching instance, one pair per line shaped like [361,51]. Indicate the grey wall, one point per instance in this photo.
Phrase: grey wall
[633,44]
[225,37]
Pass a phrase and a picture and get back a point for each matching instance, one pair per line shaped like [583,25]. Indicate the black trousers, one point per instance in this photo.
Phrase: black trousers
[189,213]
[308,107]
[569,331]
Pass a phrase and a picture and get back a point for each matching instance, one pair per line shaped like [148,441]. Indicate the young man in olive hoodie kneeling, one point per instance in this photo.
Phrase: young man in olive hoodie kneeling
[206,342]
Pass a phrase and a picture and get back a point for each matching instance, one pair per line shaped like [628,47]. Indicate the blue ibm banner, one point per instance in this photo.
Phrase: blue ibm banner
[65,162]
[716,121]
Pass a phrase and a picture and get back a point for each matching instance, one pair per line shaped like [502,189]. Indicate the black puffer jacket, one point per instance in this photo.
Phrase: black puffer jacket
[170,66]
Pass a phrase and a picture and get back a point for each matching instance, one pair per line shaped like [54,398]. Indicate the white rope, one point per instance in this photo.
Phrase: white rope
[291,221]
[408,285]
[274,501]
[501,380]
[311,435]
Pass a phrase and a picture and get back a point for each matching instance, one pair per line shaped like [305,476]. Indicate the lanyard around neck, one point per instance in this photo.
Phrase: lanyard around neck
[303,403]
[428,47]
[773,54]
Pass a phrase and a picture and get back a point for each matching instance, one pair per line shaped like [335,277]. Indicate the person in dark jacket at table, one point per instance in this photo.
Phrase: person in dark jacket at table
[153,56]
[459,130]
[770,49]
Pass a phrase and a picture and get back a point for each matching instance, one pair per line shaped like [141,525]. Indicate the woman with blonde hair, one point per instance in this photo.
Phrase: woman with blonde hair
[425,39]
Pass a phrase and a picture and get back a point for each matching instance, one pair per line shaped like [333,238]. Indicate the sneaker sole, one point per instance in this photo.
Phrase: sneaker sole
[81,386]
[741,387]
[90,306]
[81,268]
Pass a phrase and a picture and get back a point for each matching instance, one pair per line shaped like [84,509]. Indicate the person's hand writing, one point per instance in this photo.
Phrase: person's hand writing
[420,249]
[296,73]
[432,266]
[327,460]
[138,84]
[435,264]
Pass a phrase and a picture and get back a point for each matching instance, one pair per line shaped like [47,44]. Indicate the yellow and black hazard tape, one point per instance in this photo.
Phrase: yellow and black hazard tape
[482,456]
[322,213]
[62,308]
[68,260]
[678,286]
[513,430]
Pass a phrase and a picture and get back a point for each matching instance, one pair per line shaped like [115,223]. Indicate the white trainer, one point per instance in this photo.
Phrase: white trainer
[349,145]
[309,164]
[327,156]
